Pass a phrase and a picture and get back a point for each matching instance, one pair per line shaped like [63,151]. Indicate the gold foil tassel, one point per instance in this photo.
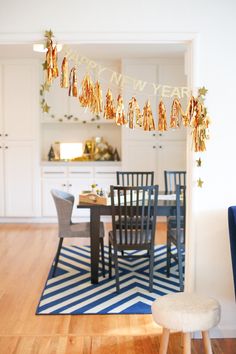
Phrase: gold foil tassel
[187,117]
[73,90]
[175,112]
[120,112]
[134,114]
[49,62]
[87,96]
[109,108]
[97,100]
[148,120]
[162,123]
[64,73]
[55,72]
[200,123]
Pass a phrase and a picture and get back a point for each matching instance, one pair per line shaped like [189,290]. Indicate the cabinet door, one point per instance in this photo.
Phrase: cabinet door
[105,176]
[75,187]
[20,100]
[20,185]
[48,206]
[171,156]
[140,156]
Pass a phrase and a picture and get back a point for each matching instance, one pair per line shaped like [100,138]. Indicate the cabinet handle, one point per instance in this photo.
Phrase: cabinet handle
[63,184]
[154,147]
[153,134]
[160,146]
[106,173]
[6,134]
[160,134]
[6,147]
[70,185]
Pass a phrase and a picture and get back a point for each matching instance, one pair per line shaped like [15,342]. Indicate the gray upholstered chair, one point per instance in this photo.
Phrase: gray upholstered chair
[66,228]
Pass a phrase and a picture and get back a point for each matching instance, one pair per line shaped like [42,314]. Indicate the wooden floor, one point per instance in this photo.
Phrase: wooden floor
[26,254]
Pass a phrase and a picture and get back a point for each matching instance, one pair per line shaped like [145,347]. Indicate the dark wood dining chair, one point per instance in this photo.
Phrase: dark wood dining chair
[172,178]
[135,178]
[66,228]
[176,235]
[133,225]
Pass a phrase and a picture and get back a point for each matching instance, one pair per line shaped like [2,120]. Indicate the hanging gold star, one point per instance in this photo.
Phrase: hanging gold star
[45,65]
[46,108]
[199,162]
[46,86]
[200,182]
[202,91]
[48,34]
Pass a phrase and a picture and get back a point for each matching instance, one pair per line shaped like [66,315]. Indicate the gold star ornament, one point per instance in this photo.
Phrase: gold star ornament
[202,91]
[199,162]
[200,182]
[46,108]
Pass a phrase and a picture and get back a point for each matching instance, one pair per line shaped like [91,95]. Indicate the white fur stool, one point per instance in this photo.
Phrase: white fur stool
[186,312]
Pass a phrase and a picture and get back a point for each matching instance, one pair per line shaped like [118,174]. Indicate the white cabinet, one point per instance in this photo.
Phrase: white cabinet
[74,179]
[19,158]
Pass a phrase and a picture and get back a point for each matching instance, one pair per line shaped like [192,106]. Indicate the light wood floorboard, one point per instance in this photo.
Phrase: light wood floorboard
[26,254]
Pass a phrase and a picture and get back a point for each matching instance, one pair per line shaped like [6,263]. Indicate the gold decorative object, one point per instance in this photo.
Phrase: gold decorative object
[109,108]
[175,113]
[134,114]
[199,162]
[64,73]
[148,120]
[97,104]
[87,96]
[202,91]
[49,62]
[162,123]
[200,123]
[187,117]
[120,112]
[55,72]
[200,182]
[73,90]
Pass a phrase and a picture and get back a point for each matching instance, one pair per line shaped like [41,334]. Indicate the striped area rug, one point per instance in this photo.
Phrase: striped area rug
[71,292]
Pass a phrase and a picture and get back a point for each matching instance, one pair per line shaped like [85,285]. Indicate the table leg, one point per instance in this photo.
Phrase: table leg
[94,229]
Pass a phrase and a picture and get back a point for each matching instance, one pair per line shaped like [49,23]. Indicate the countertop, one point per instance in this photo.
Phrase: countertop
[80,163]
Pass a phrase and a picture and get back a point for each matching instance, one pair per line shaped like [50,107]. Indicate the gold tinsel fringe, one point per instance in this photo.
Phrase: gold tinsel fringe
[148,120]
[97,104]
[134,114]
[109,108]
[120,112]
[64,73]
[73,89]
[87,96]
[162,122]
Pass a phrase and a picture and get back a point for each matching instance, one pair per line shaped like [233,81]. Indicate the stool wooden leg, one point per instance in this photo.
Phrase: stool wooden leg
[164,341]
[207,342]
[187,343]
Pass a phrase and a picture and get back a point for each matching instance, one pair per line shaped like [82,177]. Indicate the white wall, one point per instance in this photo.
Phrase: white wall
[214,22]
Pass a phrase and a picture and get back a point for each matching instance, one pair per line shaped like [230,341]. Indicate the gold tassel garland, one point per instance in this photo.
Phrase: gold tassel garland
[120,112]
[97,100]
[134,114]
[55,72]
[200,125]
[73,90]
[148,120]
[189,114]
[162,122]
[175,112]
[87,96]
[109,108]
[49,63]
[64,73]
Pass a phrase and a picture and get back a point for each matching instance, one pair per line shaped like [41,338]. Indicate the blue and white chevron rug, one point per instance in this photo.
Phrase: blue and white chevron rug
[71,291]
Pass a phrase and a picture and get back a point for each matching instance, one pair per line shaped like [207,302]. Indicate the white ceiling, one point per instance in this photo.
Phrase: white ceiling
[102,51]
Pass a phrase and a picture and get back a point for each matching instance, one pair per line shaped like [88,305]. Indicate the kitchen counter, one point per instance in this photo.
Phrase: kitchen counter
[81,163]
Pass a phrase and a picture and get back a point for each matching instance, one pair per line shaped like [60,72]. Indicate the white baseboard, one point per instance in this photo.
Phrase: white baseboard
[46,220]
[219,332]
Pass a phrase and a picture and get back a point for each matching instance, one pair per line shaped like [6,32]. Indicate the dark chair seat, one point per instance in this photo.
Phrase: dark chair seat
[171,222]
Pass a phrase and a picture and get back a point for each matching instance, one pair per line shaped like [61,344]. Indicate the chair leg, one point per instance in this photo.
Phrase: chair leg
[168,257]
[151,265]
[207,342]
[109,264]
[103,259]
[164,341]
[180,266]
[57,256]
[116,271]
[187,343]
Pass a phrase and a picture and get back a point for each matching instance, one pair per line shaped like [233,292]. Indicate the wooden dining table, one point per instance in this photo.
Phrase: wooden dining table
[165,207]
